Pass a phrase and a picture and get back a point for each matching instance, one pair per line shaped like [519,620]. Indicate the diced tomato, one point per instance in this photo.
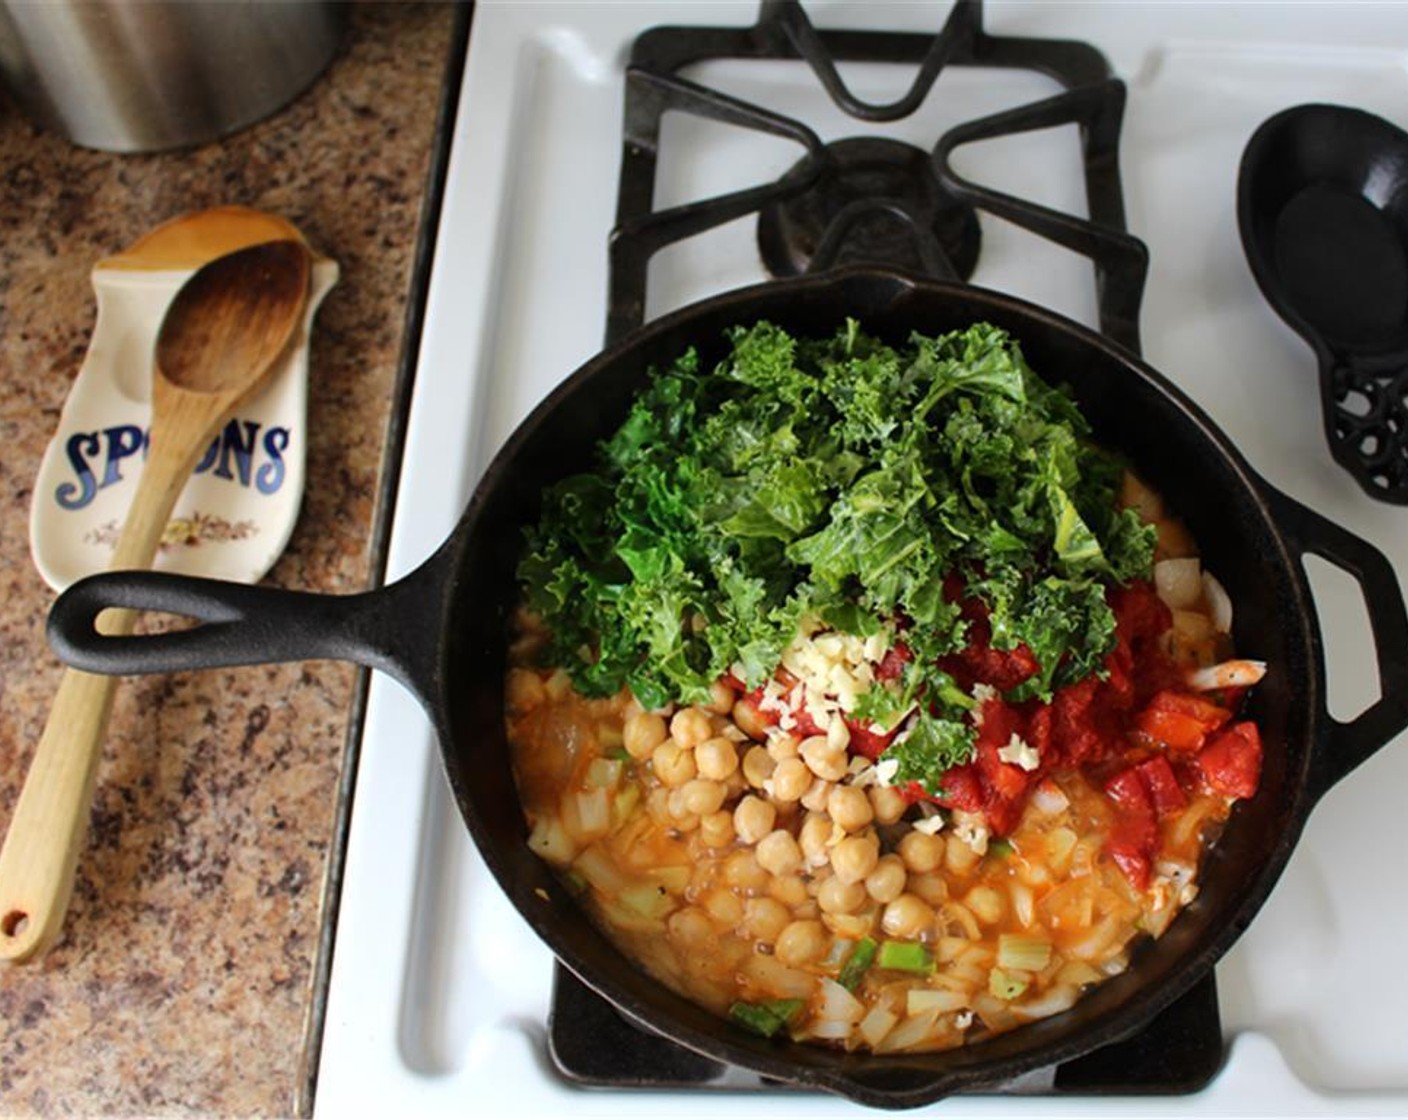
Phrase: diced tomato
[806,726]
[892,665]
[1180,720]
[1132,844]
[1083,727]
[1129,793]
[1139,612]
[1231,763]
[1003,815]
[962,788]
[1162,785]
[867,742]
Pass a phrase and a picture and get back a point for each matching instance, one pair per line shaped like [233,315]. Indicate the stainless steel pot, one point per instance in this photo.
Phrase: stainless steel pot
[138,77]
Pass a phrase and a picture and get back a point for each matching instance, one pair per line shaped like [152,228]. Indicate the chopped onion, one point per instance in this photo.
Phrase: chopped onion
[1049,798]
[1219,603]
[1179,582]
[1023,904]
[778,979]
[597,868]
[837,1004]
[833,1030]
[603,773]
[876,1025]
[1238,673]
[918,1001]
[1059,998]
[550,841]
[912,1031]
[593,813]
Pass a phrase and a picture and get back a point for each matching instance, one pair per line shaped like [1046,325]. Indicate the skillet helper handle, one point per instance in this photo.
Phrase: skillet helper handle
[244,625]
[1351,743]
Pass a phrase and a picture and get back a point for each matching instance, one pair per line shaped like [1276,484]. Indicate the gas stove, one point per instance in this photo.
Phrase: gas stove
[601,173]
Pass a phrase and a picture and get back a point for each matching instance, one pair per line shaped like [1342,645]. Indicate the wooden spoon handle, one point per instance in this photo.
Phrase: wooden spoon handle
[40,854]
[41,849]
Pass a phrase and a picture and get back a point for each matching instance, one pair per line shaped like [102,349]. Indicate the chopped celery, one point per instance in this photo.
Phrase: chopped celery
[1030,954]
[906,956]
[647,900]
[1007,985]
[857,963]
[765,1018]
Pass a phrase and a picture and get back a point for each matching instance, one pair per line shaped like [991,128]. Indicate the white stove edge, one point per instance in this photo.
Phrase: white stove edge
[370,1061]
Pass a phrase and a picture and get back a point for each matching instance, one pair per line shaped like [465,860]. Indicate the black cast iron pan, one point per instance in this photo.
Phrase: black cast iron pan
[441,632]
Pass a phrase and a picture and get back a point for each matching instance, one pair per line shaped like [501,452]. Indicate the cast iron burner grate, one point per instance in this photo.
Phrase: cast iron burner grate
[875,200]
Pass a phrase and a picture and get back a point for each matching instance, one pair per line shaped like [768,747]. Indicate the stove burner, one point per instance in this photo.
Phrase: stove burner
[878,200]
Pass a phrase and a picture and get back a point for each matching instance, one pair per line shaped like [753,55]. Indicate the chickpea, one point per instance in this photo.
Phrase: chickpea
[849,807]
[681,815]
[815,832]
[690,928]
[790,780]
[908,916]
[987,904]
[765,918]
[690,727]
[888,804]
[642,734]
[742,870]
[817,794]
[836,896]
[716,829]
[724,907]
[701,796]
[826,761]
[790,890]
[960,859]
[721,698]
[750,719]
[657,804]
[758,766]
[673,764]
[920,851]
[802,942]
[886,882]
[783,747]
[855,857]
[753,819]
[932,887]
[778,853]
[524,690]
[716,758]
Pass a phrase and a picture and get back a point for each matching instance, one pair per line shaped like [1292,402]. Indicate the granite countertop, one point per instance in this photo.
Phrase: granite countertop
[187,980]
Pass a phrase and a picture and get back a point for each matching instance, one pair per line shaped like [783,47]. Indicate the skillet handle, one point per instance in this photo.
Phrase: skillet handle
[1351,743]
[392,629]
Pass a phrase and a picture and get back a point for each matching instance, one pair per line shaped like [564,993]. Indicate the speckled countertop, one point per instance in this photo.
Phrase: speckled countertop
[187,979]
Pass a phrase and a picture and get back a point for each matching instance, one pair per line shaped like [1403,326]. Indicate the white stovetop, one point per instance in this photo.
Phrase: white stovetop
[439,991]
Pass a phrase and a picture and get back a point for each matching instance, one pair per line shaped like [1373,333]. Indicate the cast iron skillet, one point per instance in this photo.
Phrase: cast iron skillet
[441,632]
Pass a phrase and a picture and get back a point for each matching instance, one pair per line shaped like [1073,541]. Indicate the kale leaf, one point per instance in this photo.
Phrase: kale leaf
[845,479]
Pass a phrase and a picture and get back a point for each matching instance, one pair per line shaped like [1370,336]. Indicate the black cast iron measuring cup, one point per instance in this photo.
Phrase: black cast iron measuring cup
[442,631]
[1322,203]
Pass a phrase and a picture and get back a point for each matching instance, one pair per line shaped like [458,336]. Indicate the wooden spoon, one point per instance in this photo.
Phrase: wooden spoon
[222,336]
